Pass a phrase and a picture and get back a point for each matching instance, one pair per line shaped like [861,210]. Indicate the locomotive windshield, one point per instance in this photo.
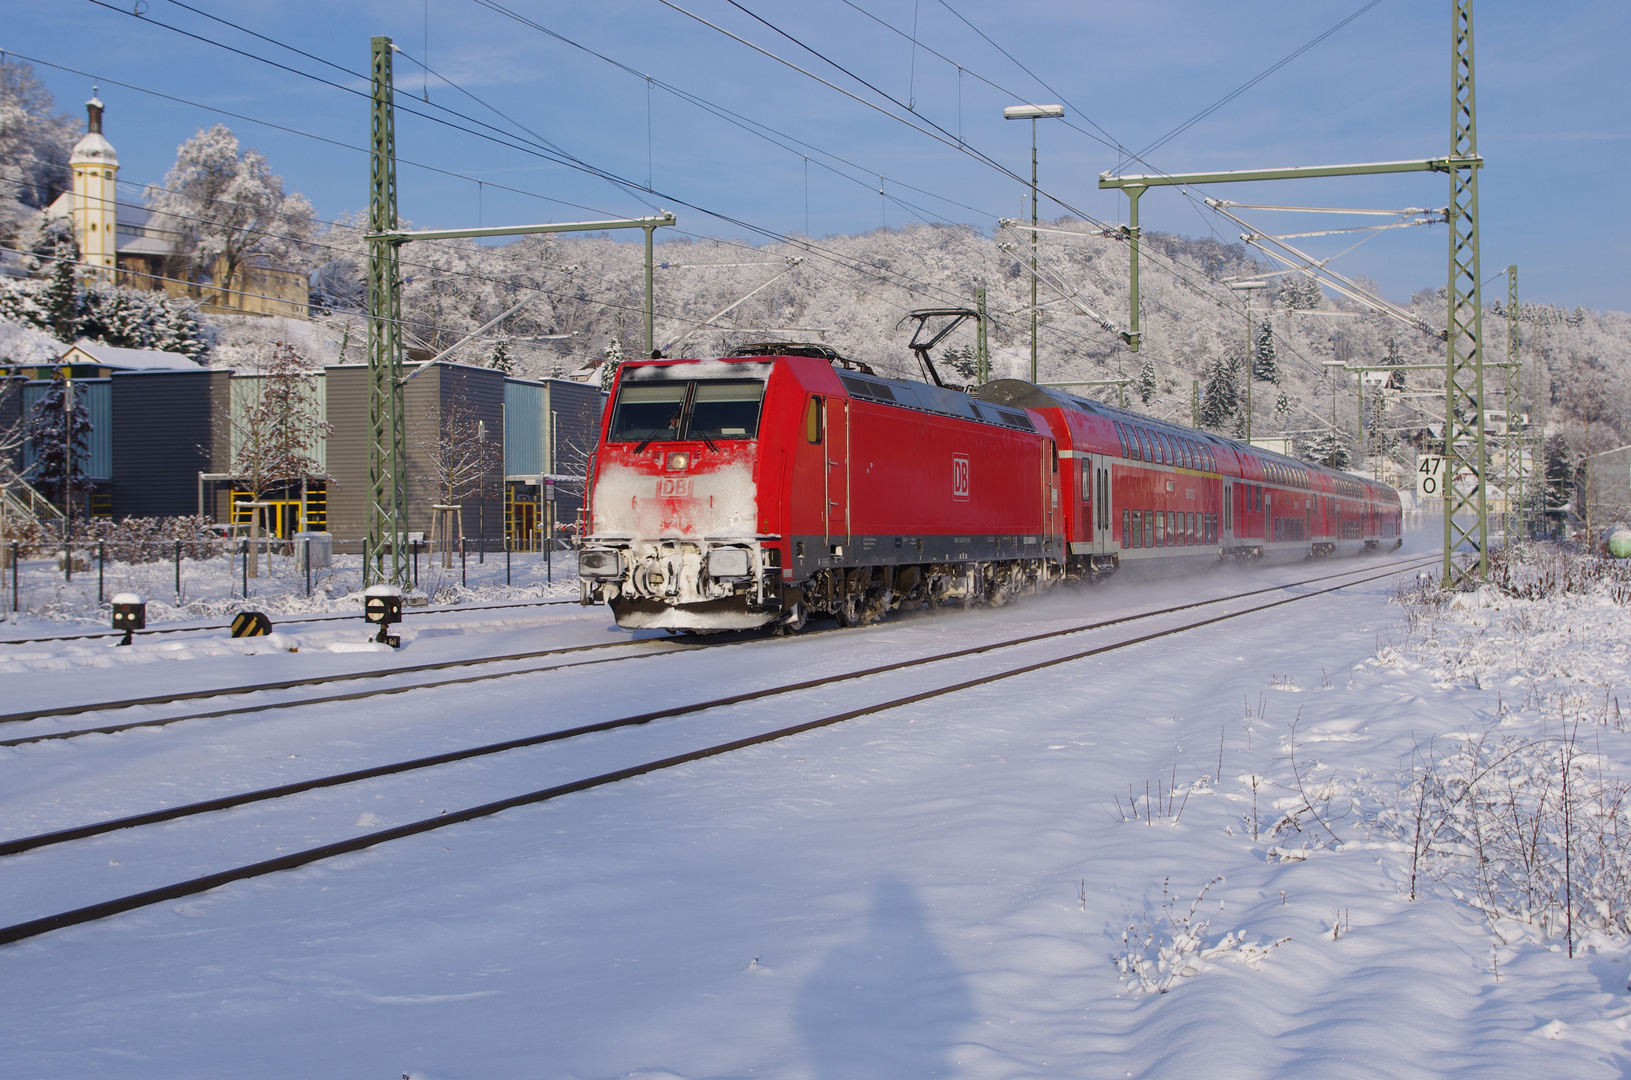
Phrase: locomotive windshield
[725,410]
[710,411]
[648,412]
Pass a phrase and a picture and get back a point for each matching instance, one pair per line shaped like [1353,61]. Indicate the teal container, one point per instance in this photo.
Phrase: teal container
[1619,543]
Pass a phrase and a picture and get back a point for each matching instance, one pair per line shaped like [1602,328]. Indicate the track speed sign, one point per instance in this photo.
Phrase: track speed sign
[1430,476]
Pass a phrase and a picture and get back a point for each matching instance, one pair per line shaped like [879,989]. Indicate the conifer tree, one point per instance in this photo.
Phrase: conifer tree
[58,469]
[502,359]
[1265,365]
[1328,449]
[1220,400]
[60,299]
[614,360]
[1146,381]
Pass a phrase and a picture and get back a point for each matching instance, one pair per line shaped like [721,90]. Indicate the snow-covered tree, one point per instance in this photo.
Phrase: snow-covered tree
[1282,409]
[275,435]
[111,315]
[1220,392]
[459,460]
[1146,381]
[34,148]
[1265,362]
[1299,292]
[612,360]
[1328,449]
[1393,358]
[502,359]
[59,300]
[227,206]
[59,467]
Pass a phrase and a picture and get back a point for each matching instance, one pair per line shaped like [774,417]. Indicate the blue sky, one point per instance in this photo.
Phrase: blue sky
[1551,93]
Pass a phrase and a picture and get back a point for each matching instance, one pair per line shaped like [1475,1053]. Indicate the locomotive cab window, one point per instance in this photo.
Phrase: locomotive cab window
[725,410]
[812,422]
[648,412]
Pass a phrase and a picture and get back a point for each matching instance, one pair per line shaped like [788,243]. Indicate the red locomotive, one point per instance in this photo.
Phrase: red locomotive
[783,482]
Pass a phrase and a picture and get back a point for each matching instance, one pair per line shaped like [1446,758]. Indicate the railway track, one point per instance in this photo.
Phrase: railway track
[292,860]
[302,620]
[664,646]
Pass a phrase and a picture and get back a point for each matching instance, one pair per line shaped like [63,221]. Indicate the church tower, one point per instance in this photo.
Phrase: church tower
[95,212]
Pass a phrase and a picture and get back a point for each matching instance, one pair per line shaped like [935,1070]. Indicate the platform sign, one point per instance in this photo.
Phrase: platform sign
[1430,476]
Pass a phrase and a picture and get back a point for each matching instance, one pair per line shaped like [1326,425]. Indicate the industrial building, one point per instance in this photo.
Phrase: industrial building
[489,458]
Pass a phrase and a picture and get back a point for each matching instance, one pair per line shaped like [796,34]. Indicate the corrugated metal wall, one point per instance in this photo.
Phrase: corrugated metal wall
[525,425]
[97,397]
[167,426]
[346,398]
[246,390]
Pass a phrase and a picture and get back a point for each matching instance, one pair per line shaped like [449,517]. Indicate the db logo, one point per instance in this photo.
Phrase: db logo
[959,477]
[674,487]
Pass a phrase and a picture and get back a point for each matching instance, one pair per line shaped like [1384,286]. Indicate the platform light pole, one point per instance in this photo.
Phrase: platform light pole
[1033,113]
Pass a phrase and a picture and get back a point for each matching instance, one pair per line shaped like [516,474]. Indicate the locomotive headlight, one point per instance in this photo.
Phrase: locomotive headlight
[599,563]
[678,460]
[728,563]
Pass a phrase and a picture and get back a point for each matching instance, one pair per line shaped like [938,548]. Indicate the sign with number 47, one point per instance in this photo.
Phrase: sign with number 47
[1430,476]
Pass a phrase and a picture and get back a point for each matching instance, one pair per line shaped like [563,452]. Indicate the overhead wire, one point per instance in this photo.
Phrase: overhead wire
[555,154]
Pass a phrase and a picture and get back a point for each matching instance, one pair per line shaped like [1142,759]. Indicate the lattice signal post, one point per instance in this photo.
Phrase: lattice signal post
[1464,490]
[384,559]
[1465,461]
[1516,480]
[387,460]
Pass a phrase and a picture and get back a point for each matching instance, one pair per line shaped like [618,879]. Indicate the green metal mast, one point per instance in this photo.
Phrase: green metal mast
[1465,491]
[387,459]
[1515,479]
[982,345]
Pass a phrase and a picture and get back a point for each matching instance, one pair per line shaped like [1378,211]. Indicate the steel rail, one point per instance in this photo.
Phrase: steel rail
[281,791]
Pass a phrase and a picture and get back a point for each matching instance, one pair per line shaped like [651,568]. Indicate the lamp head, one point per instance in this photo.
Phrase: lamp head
[1032,112]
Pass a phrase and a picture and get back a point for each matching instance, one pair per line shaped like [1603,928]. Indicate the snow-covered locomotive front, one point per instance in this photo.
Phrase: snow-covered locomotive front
[676,538]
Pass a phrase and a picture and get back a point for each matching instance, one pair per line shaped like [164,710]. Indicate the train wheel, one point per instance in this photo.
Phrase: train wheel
[792,622]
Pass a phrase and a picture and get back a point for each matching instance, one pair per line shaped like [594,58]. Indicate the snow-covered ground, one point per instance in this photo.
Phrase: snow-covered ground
[937,890]
[48,600]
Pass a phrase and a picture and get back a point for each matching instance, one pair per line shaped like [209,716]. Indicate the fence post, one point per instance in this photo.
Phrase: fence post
[414,547]
[101,565]
[178,573]
[464,578]
[16,566]
[308,566]
[68,560]
[506,560]
[549,560]
[244,548]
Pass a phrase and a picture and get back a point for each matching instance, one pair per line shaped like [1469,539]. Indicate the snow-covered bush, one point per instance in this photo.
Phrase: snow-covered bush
[1170,945]
[1533,571]
[120,317]
[1533,832]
